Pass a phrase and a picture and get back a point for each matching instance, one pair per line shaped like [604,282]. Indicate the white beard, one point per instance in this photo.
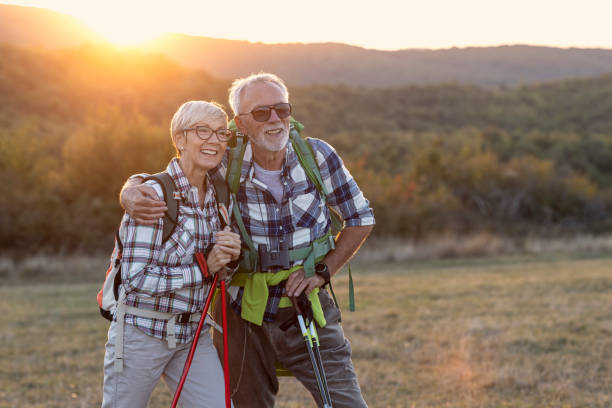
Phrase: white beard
[271,145]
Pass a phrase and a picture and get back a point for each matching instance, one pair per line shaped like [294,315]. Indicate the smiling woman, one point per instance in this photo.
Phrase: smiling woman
[162,292]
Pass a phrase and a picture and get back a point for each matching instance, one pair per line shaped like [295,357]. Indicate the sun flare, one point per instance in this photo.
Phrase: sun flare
[127,35]
[130,24]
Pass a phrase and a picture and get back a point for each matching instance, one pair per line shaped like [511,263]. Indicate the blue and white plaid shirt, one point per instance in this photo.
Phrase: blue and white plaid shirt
[302,216]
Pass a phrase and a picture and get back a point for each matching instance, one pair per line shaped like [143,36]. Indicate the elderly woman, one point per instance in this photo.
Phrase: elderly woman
[163,292]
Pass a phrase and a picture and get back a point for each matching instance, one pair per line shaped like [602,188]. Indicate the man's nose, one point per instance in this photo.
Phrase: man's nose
[273,116]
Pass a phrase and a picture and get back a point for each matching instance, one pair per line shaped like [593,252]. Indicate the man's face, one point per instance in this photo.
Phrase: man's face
[273,134]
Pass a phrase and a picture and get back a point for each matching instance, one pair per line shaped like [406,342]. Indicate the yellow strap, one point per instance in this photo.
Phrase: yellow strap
[255,296]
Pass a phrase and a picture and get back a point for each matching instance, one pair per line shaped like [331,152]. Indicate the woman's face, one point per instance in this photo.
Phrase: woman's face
[203,154]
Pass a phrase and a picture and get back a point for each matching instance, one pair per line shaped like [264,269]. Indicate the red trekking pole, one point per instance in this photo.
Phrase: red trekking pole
[202,264]
[228,400]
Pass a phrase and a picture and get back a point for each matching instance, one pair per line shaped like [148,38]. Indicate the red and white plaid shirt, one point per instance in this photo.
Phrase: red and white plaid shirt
[164,277]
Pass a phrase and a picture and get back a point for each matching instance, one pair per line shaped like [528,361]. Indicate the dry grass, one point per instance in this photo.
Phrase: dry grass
[50,268]
[505,332]
[53,268]
[478,245]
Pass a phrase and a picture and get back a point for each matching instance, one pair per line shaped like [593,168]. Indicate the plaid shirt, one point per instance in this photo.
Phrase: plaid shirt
[164,277]
[302,215]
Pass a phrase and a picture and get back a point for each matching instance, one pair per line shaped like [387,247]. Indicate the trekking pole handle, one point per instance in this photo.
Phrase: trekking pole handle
[301,322]
[295,305]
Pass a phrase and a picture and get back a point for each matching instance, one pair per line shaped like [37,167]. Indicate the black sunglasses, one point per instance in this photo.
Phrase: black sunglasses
[262,113]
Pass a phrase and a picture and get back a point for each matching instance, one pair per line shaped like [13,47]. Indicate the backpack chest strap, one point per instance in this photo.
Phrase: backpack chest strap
[311,254]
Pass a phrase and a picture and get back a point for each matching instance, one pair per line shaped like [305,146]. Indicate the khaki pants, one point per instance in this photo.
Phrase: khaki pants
[253,351]
[146,359]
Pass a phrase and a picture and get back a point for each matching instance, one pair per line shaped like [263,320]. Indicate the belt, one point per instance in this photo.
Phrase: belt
[171,318]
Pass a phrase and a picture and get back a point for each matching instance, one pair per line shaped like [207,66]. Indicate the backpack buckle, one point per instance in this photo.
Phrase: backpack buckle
[183,318]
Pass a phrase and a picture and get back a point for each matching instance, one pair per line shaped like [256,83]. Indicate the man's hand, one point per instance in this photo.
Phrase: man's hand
[347,244]
[142,204]
[297,283]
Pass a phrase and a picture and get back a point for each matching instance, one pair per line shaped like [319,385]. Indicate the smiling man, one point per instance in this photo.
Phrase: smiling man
[283,214]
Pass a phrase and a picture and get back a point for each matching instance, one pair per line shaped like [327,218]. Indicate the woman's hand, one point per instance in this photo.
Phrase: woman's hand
[229,242]
[225,250]
[217,260]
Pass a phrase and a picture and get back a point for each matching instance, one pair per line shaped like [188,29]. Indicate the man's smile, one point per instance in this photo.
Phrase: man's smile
[274,132]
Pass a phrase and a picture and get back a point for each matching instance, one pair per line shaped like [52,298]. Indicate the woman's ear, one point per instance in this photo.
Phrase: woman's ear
[180,140]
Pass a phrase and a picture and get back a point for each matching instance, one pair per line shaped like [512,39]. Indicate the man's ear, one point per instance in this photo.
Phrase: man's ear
[240,125]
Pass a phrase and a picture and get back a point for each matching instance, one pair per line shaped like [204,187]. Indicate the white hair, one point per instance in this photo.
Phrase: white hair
[240,84]
[192,112]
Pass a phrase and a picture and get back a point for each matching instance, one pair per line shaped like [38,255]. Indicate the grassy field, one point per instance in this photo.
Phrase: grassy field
[501,332]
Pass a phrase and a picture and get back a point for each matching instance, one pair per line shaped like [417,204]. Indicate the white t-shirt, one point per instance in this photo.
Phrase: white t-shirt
[270,178]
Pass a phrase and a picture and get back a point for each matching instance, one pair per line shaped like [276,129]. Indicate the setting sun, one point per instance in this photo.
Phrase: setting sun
[125,35]
[129,24]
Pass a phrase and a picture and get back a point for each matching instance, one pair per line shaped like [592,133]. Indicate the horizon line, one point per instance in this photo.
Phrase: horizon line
[333,42]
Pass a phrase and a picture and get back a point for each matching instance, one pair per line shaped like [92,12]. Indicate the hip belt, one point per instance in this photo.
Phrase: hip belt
[170,318]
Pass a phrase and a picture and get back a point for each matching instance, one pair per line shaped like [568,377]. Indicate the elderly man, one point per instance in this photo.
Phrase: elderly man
[283,211]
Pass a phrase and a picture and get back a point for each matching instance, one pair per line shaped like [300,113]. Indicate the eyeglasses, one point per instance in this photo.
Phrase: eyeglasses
[205,133]
[262,113]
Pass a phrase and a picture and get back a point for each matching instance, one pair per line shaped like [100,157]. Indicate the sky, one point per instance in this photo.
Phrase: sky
[379,24]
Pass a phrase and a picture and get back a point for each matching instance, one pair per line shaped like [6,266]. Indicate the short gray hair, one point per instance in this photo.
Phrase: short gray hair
[240,84]
[192,112]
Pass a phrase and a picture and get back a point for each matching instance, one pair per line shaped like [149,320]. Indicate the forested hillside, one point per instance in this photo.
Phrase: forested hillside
[75,123]
[326,63]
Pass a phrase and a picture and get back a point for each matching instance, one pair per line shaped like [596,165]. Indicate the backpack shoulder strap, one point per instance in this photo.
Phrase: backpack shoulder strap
[222,195]
[235,157]
[306,156]
[232,175]
[171,216]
